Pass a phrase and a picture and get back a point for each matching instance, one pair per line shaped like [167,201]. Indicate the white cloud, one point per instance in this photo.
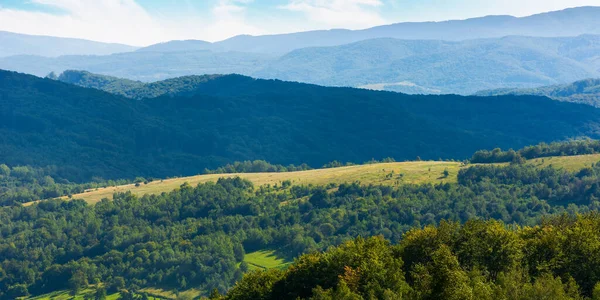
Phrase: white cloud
[229,19]
[121,21]
[351,14]
[124,21]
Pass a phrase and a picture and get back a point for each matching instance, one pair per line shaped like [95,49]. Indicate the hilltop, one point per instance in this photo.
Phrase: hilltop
[181,86]
[391,174]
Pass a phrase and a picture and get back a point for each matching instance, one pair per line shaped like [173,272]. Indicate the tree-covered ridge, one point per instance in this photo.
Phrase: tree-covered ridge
[558,259]
[257,166]
[109,84]
[583,91]
[89,133]
[569,148]
[196,237]
[135,89]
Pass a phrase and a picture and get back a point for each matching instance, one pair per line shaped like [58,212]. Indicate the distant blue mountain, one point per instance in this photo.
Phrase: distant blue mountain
[408,66]
[568,22]
[419,58]
[429,66]
[180,46]
[143,65]
[22,44]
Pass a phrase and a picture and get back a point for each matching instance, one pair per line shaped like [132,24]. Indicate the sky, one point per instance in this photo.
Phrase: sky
[145,22]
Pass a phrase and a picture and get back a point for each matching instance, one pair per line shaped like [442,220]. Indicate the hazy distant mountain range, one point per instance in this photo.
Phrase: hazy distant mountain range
[22,44]
[410,66]
[569,22]
[441,66]
[460,57]
[145,66]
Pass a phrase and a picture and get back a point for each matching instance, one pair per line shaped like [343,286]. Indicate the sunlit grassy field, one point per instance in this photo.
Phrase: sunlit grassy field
[153,294]
[384,173]
[393,174]
[65,295]
[569,163]
[264,260]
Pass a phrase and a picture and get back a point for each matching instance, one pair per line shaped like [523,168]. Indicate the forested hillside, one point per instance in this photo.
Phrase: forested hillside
[478,260]
[583,91]
[135,89]
[89,133]
[198,237]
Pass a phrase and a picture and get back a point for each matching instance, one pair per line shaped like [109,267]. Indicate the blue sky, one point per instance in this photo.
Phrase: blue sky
[143,22]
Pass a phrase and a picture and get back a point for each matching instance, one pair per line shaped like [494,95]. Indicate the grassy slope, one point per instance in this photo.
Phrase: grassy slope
[414,172]
[569,163]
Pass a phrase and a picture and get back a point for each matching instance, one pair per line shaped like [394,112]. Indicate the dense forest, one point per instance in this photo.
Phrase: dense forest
[558,259]
[88,133]
[197,237]
[257,166]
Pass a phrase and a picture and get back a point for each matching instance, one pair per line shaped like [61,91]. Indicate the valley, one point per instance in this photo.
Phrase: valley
[299,149]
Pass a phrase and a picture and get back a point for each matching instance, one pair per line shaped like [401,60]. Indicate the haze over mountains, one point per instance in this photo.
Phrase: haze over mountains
[460,57]
[569,22]
[441,66]
[410,66]
[22,44]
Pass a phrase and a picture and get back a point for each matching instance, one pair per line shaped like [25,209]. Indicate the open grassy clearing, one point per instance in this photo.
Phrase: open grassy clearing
[65,295]
[569,163]
[163,294]
[384,173]
[153,294]
[265,259]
